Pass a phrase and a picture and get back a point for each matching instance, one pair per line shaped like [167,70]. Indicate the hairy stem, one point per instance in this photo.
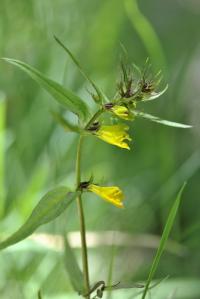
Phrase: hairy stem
[82,220]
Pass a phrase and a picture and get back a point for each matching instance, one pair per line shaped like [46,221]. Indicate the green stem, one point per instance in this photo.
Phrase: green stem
[95,116]
[80,208]
[82,220]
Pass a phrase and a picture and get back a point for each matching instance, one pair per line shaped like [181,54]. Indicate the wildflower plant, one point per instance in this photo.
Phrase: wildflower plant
[135,86]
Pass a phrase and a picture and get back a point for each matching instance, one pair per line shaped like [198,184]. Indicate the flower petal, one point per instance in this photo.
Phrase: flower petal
[111,194]
[115,134]
[122,112]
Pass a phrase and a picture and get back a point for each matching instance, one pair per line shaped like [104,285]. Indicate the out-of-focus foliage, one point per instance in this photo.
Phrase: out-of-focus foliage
[36,154]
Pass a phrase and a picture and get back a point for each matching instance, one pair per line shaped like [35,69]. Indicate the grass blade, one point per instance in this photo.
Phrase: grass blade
[165,235]
[146,32]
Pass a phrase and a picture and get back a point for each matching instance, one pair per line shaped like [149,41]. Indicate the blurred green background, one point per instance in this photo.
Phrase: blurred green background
[36,154]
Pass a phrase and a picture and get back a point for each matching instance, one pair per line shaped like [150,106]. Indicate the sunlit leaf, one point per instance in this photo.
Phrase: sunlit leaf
[72,267]
[52,204]
[62,95]
[164,238]
[159,120]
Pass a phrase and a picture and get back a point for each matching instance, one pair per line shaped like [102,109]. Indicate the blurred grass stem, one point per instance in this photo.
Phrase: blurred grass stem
[2,151]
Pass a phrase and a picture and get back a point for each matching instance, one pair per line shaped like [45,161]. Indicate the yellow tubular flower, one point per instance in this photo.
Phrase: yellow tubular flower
[114,134]
[111,194]
[122,112]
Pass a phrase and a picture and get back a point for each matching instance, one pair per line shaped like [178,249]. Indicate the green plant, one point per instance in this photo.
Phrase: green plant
[135,86]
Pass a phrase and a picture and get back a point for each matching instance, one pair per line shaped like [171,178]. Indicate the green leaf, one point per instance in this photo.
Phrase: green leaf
[159,120]
[52,204]
[72,267]
[163,241]
[67,126]
[96,88]
[62,95]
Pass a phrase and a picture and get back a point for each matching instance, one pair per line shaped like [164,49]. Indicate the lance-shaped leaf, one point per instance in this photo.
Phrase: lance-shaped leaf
[49,207]
[67,126]
[100,94]
[72,267]
[62,95]
[153,95]
[159,120]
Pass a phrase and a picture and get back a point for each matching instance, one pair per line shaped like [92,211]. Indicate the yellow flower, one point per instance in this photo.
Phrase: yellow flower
[122,112]
[111,194]
[114,134]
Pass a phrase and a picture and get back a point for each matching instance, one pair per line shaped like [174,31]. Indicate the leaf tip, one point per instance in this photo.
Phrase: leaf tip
[182,189]
[56,38]
[184,185]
